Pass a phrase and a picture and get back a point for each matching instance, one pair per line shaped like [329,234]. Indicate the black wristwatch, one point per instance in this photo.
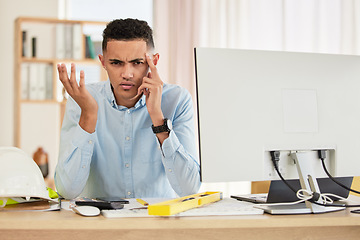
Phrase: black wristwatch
[166,127]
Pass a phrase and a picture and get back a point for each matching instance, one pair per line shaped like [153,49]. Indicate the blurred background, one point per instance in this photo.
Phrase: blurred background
[323,26]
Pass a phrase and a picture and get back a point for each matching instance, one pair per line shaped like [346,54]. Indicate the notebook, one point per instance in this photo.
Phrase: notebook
[279,192]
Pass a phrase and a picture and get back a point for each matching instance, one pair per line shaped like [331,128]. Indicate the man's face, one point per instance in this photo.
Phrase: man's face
[126,66]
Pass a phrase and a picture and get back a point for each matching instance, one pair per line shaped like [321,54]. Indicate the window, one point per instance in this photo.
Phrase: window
[107,10]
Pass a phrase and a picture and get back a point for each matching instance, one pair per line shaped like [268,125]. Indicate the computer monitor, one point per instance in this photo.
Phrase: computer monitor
[251,102]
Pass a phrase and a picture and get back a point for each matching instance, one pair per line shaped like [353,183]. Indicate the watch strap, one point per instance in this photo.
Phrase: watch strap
[161,128]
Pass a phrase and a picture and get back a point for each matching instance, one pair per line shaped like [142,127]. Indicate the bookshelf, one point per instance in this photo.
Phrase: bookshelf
[40,44]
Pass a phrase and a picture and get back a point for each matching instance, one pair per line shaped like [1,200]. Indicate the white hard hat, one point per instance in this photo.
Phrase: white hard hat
[20,176]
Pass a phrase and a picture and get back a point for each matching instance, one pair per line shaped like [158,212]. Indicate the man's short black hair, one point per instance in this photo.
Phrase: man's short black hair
[127,30]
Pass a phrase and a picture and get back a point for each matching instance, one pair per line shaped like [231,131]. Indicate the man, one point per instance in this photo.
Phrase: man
[117,139]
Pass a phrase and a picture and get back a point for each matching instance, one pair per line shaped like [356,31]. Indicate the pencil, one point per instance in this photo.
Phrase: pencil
[142,202]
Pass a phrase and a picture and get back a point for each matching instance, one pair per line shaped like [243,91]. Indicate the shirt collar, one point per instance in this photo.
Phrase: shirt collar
[111,98]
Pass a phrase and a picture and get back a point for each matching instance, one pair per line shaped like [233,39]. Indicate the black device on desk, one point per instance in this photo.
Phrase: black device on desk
[279,192]
[102,203]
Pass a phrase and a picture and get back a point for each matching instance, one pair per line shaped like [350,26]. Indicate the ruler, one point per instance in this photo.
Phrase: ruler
[182,204]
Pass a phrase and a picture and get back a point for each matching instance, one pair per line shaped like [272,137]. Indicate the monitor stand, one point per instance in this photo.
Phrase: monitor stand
[307,181]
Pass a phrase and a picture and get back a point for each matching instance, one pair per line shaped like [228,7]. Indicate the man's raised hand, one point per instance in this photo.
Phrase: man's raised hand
[81,95]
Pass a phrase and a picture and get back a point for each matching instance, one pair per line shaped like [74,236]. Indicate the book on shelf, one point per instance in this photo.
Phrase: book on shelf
[33,47]
[69,41]
[36,81]
[33,81]
[60,41]
[38,40]
[77,42]
[89,48]
[24,45]
[41,82]
[25,81]
[49,82]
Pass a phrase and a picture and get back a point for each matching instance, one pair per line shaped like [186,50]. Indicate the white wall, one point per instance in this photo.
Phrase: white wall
[9,11]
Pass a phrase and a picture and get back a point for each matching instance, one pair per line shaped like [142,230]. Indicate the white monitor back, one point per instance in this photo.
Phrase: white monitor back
[251,101]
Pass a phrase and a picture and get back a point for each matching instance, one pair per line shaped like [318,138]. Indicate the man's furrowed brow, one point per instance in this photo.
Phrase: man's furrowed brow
[131,61]
[115,60]
[137,60]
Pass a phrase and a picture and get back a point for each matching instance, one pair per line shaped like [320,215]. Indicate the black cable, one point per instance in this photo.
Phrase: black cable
[275,157]
[322,156]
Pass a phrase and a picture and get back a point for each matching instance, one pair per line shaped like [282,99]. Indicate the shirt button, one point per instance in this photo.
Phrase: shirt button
[129,193]
[170,170]
[127,138]
[128,111]
[90,142]
[83,166]
[127,165]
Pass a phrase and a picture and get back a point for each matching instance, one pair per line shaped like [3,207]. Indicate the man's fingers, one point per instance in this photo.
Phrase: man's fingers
[149,75]
[63,76]
[72,73]
[82,79]
[72,80]
[140,89]
[70,84]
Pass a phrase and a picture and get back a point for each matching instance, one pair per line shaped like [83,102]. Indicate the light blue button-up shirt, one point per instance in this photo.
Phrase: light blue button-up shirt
[123,157]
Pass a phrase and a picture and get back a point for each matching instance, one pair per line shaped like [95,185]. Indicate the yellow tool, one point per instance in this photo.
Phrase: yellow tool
[142,202]
[182,204]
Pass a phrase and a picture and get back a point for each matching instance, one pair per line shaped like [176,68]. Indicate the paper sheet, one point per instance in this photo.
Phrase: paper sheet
[225,207]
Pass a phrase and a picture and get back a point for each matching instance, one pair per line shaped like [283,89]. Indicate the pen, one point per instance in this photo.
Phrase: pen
[142,202]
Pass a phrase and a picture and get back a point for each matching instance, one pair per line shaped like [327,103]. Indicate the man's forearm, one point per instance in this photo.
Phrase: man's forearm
[88,121]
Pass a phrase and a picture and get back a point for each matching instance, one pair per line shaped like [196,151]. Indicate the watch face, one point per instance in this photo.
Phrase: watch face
[169,124]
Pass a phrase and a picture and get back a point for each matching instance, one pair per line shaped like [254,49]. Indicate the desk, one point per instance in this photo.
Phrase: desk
[67,225]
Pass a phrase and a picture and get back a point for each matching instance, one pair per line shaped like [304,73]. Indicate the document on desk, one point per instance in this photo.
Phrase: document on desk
[225,207]
[133,209]
[36,205]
